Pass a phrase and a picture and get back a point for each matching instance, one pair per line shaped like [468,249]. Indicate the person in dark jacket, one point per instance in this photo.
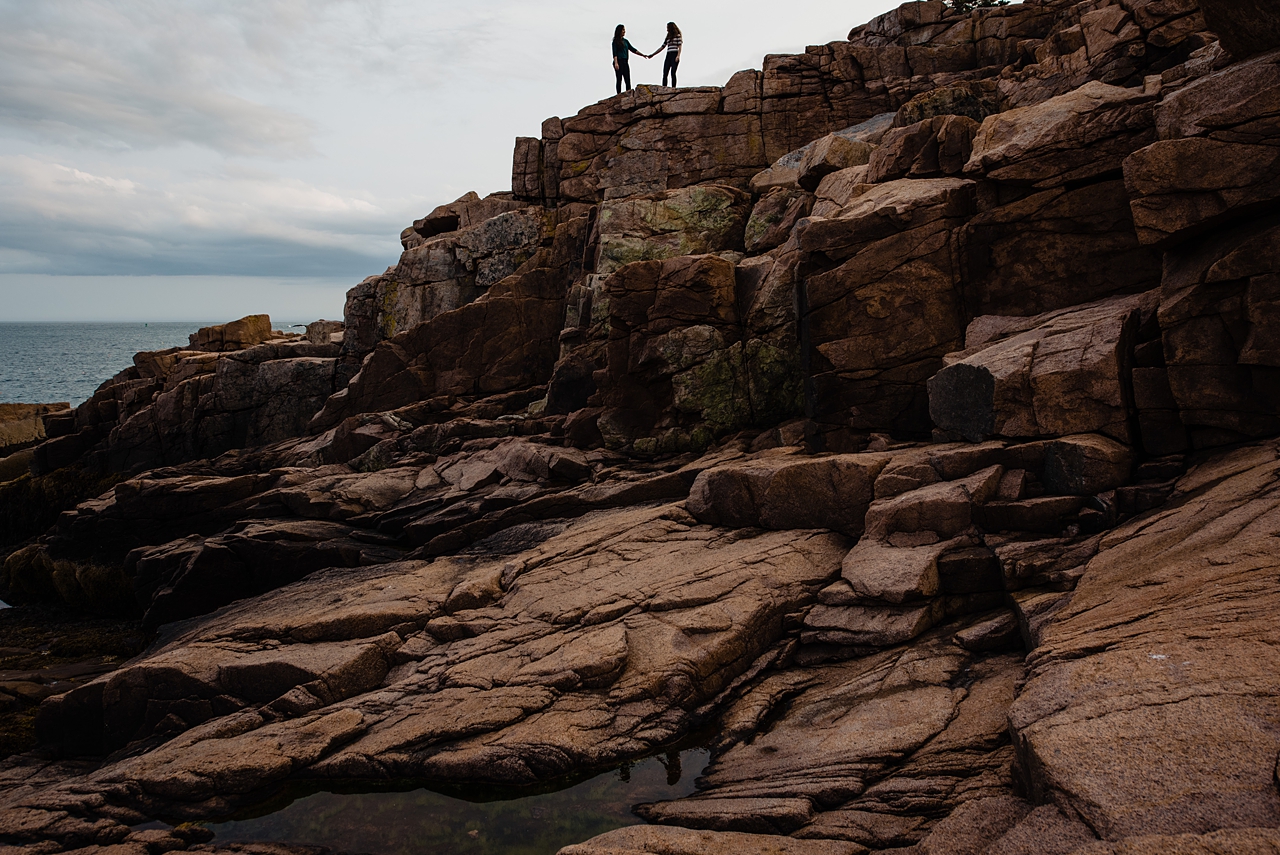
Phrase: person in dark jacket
[673,44]
[621,49]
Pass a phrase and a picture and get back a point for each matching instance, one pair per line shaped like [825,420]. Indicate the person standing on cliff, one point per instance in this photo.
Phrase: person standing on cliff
[673,45]
[621,49]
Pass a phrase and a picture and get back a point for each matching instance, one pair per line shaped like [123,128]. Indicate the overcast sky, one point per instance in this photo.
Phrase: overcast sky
[206,159]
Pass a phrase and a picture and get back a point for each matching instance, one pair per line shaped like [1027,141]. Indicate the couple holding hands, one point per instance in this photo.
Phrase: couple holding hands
[622,47]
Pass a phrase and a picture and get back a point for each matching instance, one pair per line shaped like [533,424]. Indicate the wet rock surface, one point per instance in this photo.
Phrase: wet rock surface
[900,419]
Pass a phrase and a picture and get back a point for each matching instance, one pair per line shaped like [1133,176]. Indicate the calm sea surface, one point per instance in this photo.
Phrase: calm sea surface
[46,363]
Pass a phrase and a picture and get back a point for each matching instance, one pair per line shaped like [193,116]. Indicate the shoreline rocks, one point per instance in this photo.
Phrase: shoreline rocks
[901,416]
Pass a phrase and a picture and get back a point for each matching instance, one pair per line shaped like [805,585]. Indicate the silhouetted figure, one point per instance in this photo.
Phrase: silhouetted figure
[673,44]
[621,64]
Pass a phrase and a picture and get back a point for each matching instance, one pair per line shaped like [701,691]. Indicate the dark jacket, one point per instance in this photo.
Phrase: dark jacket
[620,51]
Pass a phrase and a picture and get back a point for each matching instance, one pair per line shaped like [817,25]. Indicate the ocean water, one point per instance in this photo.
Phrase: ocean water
[51,362]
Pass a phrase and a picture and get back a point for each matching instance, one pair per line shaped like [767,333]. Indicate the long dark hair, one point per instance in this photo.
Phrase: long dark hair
[673,32]
[617,35]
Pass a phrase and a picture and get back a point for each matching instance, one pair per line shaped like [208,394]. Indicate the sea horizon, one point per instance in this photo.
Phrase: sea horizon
[47,362]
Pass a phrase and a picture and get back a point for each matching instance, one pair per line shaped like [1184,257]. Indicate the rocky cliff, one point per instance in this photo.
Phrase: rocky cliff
[905,415]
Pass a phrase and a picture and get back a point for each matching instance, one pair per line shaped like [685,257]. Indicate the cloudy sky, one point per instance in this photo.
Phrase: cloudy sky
[205,159]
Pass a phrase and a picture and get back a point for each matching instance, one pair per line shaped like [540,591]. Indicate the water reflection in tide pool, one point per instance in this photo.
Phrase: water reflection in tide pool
[472,821]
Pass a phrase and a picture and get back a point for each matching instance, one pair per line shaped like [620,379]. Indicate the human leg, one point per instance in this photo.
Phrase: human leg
[617,72]
[670,66]
[626,73]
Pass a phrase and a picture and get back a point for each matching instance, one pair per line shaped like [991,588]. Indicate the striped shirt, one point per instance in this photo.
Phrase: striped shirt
[673,44]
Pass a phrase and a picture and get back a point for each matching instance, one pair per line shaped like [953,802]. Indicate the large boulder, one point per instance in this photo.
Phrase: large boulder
[1218,157]
[236,335]
[831,154]
[503,342]
[933,147]
[1062,373]
[789,492]
[878,322]
[1074,137]
[785,171]
[1246,27]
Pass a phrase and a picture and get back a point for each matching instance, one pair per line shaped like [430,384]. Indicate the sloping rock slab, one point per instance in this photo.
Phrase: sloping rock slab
[670,840]
[1151,703]
[596,645]
[1073,137]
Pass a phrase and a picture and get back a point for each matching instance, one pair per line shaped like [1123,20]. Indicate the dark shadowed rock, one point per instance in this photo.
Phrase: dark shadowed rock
[878,324]
[773,218]
[504,342]
[1086,464]
[1075,244]
[1246,27]
[1218,158]
[1216,314]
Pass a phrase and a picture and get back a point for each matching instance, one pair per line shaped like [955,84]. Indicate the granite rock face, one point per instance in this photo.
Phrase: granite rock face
[681,365]
[1068,373]
[24,425]
[1246,28]
[1199,559]
[238,385]
[1220,129]
[1071,138]
[899,420]
[693,221]
[445,270]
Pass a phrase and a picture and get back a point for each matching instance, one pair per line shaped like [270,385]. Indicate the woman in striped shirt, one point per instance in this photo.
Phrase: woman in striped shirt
[672,44]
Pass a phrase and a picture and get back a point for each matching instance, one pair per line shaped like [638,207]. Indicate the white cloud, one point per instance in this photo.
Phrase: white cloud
[297,137]
[138,74]
[153,217]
